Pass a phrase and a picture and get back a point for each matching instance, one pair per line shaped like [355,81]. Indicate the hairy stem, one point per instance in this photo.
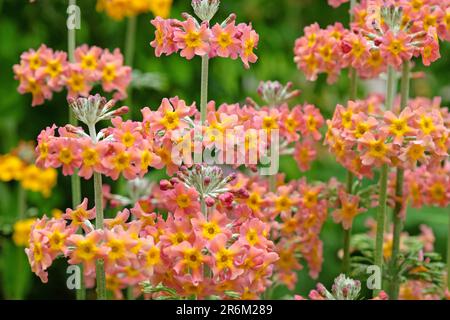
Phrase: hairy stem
[98,194]
[350,177]
[75,178]
[204,88]
[382,197]
[397,220]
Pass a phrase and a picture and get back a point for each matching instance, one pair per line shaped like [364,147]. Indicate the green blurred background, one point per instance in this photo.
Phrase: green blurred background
[279,23]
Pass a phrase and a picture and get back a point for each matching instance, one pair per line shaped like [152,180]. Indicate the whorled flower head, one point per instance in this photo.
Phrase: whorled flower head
[94,109]
[275,94]
[210,183]
[345,288]
[205,9]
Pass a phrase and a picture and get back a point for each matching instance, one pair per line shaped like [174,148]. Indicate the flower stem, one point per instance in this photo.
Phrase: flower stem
[382,197]
[347,232]
[75,178]
[130,40]
[397,220]
[204,88]
[99,263]
[350,176]
[448,254]
[130,44]
[21,202]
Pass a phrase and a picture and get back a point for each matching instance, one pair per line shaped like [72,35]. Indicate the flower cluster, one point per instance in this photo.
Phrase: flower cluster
[218,254]
[226,40]
[428,186]
[119,9]
[362,136]
[18,166]
[398,31]
[295,213]
[44,71]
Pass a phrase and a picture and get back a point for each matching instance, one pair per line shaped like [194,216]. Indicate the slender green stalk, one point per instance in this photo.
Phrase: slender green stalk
[382,197]
[397,220]
[75,178]
[448,253]
[130,41]
[98,194]
[99,264]
[21,202]
[204,88]
[348,232]
[350,177]
[273,182]
[130,44]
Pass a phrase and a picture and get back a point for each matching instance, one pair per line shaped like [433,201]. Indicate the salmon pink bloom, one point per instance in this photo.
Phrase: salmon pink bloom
[399,126]
[88,59]
[77,81]
[114,75]
[65,153]
[90,158]
[430,49]
[87,249]
[54,66]
[120,160]
[224,41]
[119,220]
[225,259]
[377,151]
[118,244]
[215,225]
[183,201]
[249,42]
[192,39]
[189,257]
[164,37]
[304,154]
[38,88]
[57,233]
[313,120]
[39,255]
[126,132]
[253,233]
[349,209]
[396,48]
[80,214]
[43,147]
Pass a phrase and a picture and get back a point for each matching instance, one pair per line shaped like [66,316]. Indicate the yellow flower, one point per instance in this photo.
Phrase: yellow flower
[119,9]
[161,8]
[38,180]
[11,168]
[22,229]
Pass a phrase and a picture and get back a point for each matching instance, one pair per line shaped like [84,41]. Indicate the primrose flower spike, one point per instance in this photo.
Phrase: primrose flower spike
[94,109]
[205,9]
[275,94]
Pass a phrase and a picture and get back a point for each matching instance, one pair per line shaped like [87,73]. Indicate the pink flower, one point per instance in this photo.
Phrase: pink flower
[164,37]
[80,214]
[349,209]
[66,153]
[183,201]
[224,41]
[114,75]
[249,41]
[192,40]
[396,48]
[78,82]
[88,59]
[304,154]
